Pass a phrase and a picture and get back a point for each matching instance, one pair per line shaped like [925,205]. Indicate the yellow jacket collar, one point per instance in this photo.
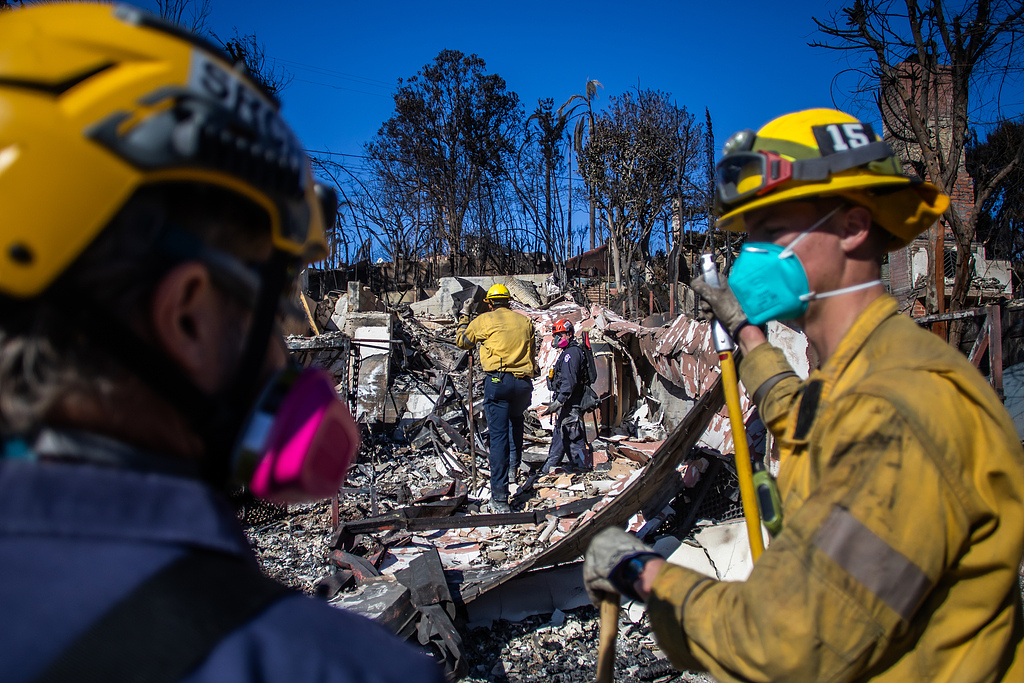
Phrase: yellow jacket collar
[853,341]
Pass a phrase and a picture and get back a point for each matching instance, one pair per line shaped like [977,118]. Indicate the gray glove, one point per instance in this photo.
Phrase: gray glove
[468,306]
[720,303]
[552,407]
[608,551]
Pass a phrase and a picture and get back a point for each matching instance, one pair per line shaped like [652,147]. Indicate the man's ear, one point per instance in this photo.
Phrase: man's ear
[185,312]
[854,230]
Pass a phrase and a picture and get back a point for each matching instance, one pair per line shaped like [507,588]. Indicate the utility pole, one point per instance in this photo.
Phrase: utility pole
[569,240]
[940,278]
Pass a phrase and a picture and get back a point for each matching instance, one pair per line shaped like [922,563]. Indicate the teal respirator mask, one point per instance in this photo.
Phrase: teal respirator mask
[770,282]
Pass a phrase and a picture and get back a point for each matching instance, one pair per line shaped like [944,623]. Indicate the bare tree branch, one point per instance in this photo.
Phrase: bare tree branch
[930,67]
[190,14]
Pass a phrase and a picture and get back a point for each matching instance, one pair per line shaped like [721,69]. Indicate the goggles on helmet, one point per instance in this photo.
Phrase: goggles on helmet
[745,173]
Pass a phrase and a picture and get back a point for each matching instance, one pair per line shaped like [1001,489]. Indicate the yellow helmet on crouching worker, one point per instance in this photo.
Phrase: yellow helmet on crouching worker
[498,293]
[816,153]
[97,101]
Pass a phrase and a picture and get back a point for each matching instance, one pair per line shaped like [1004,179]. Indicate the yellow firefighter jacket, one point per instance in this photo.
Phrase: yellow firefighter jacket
[506,341]
[902,480]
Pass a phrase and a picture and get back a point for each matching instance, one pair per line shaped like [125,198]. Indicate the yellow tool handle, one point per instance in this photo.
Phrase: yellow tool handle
[743,470]
[606,642]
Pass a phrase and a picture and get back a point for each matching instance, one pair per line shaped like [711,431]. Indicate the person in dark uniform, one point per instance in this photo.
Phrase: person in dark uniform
[143,373]
[567,384]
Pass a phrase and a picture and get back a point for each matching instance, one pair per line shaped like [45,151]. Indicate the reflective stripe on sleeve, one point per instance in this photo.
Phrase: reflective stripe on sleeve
[879,567]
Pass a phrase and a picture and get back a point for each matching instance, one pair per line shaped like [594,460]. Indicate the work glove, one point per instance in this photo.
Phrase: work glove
[468,307]
[552,407]
[608,552]
[720,303]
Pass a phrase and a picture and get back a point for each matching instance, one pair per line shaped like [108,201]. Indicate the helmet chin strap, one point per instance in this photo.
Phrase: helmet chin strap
[236,401]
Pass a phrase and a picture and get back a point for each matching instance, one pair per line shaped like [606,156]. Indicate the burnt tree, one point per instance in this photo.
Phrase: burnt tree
[934,72]
[451,134]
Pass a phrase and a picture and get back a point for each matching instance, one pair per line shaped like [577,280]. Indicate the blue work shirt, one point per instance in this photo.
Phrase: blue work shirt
[76,538]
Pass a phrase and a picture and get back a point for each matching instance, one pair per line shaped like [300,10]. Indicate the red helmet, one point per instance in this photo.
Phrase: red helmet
[563,325]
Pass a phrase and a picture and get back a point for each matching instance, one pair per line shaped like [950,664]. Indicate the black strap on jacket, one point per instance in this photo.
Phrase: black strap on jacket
[583,374]
[167,626]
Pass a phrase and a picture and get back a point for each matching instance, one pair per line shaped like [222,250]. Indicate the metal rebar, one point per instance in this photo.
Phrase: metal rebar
[472,430]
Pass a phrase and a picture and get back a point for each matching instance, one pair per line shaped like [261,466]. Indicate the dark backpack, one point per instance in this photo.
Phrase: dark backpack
[590,400]
[590,364]
[587,377]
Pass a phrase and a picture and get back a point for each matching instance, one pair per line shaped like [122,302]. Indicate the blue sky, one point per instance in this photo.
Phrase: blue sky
[746,61]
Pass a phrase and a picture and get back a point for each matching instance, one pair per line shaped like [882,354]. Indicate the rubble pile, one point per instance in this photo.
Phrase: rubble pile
[560,648]
[407,541]
[290,544]
[494,597]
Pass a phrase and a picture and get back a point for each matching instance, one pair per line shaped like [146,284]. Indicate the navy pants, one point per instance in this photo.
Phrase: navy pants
[569,435]
[506,399]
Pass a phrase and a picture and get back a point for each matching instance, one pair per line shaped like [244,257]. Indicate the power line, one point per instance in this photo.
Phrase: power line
[334,154]
[319,69]
[338,87]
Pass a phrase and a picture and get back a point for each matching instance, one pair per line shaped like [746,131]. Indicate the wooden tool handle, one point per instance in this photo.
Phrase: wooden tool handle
[606,643]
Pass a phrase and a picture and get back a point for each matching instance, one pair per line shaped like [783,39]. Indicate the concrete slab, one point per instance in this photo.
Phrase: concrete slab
[693,557]
[371,334]
[728,548]
[340,314]
[537,592]
[372,389]
[373,341]
[419,404]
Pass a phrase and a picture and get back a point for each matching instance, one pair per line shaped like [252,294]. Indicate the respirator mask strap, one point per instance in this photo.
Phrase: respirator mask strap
[291,440]
[812,296]
[788,250]
[836,292]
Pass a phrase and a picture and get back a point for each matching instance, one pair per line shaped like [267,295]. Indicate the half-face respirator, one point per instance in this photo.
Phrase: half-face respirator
[560,341]
[299,439]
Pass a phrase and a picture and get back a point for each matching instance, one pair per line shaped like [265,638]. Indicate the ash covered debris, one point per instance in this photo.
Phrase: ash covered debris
[414,497]
[560,648]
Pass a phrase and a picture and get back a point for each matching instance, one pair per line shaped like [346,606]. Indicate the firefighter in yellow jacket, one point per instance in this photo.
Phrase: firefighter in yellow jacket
[901,474]
[509,360]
